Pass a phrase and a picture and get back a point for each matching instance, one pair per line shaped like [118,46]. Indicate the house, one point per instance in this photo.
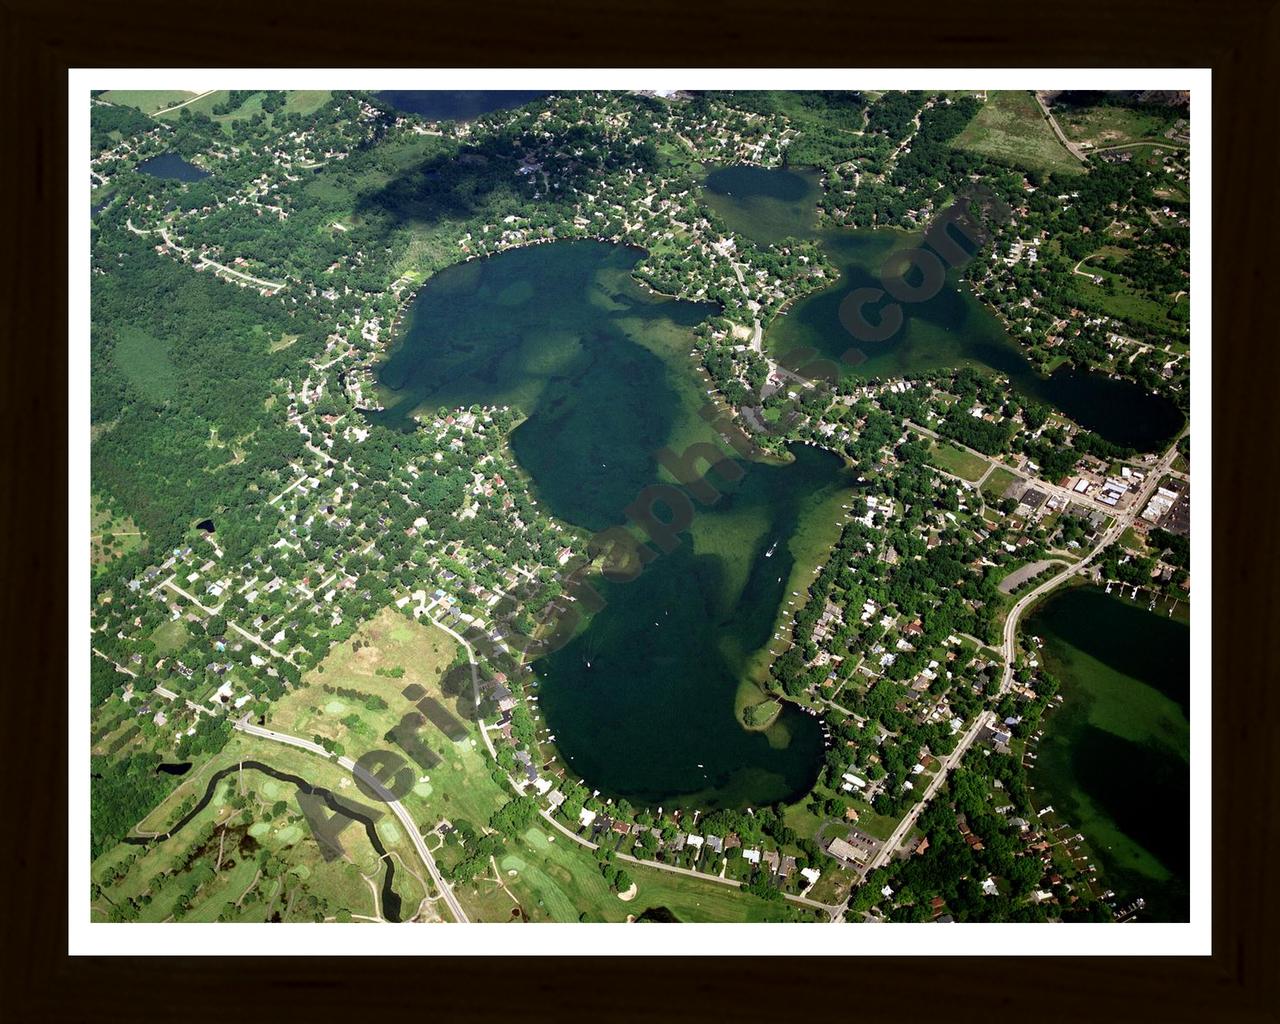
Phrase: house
[526,762]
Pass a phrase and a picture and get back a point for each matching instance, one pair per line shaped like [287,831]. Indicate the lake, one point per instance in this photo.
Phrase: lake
[170,165]
[643,700]
[949,330]
[765,204]
[444,105]
[1114,758]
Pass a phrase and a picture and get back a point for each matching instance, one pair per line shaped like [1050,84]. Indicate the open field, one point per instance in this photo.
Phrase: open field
[111,534]
[1107,125]
[1117,297]
[148,100]
[1010,128]
[998,482]
[460,785]
[355,695]
[302,101]
[170,636]
[554,878]
[957,462]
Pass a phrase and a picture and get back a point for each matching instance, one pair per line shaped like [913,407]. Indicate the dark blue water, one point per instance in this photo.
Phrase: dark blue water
[170,165]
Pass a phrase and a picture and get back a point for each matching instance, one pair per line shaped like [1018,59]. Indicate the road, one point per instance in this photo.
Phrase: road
[206,262]
[397,808]
[891,845]
[1122,522]
[230,625]
[757,331]
[1039,483]
[1071,147]
[179,106]
[475,681]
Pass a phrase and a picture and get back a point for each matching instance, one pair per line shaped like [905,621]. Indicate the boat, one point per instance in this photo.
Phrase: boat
[772,548]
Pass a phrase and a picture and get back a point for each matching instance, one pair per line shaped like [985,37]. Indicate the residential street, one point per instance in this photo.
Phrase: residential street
[1122,523]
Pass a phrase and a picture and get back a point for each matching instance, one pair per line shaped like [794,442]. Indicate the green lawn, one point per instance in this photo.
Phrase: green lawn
[1010,128]
[462,784]
[295,881]
[170,636]
[959,463]
[998,482]
[148,100]
[304,101]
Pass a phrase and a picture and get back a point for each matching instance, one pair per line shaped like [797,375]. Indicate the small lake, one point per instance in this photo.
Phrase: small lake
[765,204]
[951,329]
[1114,758]
[176,768]
[444,105]
[170,165]
[642,701]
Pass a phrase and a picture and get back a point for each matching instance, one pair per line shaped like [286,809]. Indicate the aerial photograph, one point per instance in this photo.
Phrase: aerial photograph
[667,506]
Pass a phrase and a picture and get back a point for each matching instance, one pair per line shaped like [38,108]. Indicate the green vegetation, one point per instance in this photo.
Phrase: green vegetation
[249,855]
[959,463]
[998,483]
[146,363]
[111,535]
[1011,128]
[1103,120]
[148,100]
[845,602]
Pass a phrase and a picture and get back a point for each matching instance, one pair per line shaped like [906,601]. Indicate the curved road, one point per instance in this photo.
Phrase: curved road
[1122,522]
[397,808]
[1071,147]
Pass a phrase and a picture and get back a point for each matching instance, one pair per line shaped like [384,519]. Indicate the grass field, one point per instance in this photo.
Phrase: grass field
[1010,128]
[111,534]
[1131,540]
[170,636]
[461,785]
[1102,126]
[148,100]
[998,482]
[957,462]
[302,101]
[1117,297]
